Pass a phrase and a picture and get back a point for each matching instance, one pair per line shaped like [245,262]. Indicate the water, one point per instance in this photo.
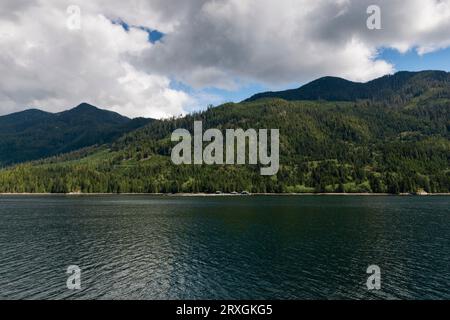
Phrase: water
[280,247]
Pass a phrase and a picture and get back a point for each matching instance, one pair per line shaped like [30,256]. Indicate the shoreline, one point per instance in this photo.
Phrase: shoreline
[224,194]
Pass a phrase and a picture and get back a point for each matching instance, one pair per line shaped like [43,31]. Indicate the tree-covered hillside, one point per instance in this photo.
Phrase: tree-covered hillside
[35,134]
[393,89]
[358,146]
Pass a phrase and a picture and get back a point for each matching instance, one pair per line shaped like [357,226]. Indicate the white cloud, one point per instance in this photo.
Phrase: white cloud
[46,65]
[286,41]
[207,43]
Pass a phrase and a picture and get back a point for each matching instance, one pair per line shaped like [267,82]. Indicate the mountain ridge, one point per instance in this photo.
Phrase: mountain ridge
[33,134]
[338,89]
[397,143]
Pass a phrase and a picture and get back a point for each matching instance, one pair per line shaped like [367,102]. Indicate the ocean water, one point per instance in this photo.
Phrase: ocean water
[258,247]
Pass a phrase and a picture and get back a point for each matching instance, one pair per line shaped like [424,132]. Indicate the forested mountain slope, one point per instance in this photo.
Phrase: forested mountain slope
[35,134]
[393,89]
[352,146]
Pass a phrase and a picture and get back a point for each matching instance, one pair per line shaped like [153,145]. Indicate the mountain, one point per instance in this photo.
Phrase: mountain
[34,134]
[400,87]
[392,145]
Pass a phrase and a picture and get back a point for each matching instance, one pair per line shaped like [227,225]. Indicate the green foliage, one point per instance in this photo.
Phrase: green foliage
[364,146]
[399,88]
[34,134]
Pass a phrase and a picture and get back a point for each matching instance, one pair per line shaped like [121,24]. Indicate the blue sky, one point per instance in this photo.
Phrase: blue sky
[411,61]
[153,35]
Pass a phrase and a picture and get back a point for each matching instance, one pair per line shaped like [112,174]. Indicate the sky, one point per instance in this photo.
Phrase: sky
[163,58]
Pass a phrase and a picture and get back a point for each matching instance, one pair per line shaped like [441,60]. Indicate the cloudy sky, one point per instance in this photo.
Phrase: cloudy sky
[157,58]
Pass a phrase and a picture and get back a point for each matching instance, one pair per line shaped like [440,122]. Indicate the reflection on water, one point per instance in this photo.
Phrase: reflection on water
[150,247]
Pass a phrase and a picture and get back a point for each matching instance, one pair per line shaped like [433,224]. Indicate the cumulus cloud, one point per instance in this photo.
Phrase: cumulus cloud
[47,65]
[207,44]
[287,41]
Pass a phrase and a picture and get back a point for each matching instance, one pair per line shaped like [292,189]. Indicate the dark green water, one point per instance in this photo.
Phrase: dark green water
[149,247]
